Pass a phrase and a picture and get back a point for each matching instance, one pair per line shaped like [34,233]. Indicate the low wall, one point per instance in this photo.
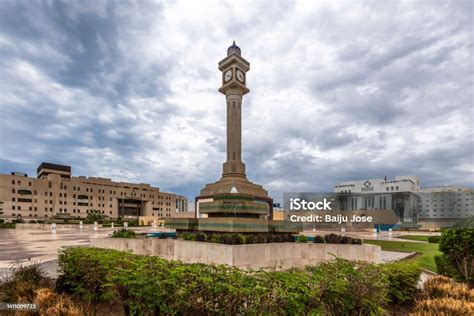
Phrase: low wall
[58,226]
[273,256]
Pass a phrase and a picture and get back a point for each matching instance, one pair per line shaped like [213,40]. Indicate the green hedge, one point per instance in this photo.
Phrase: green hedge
[123,233]
[403,278]
[237,239]
[7,225]
[434,239]
[457,261]
[146,285]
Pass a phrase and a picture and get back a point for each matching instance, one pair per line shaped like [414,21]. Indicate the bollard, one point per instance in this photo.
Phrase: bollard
[81,225]
[154,224]
[95,226]
[125,225]
[112,224]
[53,228]
[343,231]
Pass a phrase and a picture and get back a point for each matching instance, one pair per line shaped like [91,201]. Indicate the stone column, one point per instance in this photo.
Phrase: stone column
[234,165]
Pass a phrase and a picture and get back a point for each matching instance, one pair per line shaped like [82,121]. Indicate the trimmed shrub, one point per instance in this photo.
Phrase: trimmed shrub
[350,288]
[356,241]
[188,236]
[403,280]
[8,225]
[332,239]
[318,240]
[302,238]
[434,239]
[345,239]
[147,285]
[458,246]
[201,237]
[123,233]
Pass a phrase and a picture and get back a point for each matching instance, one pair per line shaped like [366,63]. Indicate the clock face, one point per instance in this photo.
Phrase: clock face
[240,75]
[228,75]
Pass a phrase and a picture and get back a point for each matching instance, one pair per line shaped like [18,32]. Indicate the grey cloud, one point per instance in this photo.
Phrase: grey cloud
[129,90]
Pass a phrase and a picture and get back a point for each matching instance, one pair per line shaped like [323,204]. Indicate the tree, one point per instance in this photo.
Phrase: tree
[95,216]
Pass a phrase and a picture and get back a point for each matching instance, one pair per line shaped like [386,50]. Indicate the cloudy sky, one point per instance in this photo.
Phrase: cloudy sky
[342,90]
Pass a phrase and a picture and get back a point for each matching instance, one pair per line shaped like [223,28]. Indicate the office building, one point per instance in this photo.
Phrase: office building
[56,193]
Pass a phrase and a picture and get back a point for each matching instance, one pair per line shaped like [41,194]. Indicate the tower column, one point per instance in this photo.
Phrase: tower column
[234,126]
[234,165]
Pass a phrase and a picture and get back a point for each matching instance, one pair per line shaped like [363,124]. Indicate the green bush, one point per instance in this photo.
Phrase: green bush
[403,279]
[8,225]
[458,246]
[145,285]
[332,239]
[302,238]
[445,266]
[318,240]
[187,236]
[201,237]
[434,239]
[123,233]
[351,288]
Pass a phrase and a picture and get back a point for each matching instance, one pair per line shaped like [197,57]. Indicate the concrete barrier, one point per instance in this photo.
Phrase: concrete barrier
[272,256]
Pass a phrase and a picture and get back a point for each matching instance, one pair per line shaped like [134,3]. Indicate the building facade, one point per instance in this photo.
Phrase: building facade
[410,202]
[445,203]
[399,194]
[56,193]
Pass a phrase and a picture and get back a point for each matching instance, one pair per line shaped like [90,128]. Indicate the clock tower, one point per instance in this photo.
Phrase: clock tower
[234,70]
[233,203]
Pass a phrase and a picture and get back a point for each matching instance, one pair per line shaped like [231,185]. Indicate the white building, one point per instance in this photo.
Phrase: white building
[445,203]
[398,194]
[409,201]
[400,184]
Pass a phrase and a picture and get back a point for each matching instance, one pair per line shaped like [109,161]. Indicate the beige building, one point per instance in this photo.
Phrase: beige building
[55,193]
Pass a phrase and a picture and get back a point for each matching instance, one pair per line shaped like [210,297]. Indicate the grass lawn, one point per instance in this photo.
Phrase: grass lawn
[413,237]
[426,251]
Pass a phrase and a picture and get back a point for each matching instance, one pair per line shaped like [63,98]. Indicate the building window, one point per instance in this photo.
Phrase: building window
[13,181]
[13,199]
[13,207]
[29,183]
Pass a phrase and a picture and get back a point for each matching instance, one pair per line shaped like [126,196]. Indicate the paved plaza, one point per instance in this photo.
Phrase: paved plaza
[27,246]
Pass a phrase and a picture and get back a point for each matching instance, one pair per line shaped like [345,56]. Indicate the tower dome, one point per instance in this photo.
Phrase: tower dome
[233,49]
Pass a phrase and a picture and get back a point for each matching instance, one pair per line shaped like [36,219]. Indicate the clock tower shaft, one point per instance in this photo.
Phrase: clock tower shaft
[234,165]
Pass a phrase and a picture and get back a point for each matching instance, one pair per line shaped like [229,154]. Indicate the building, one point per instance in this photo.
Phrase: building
[399,195]
[56,193]
[181,204]
[409,201]
[449,202]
